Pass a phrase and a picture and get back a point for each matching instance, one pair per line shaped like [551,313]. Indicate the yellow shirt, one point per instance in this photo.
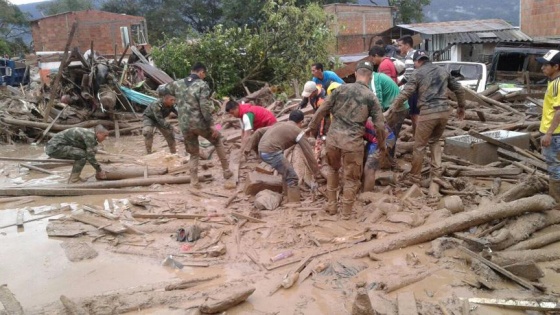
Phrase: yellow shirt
[550,105]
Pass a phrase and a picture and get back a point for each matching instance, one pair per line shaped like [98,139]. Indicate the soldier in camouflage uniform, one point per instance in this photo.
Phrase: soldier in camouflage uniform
[431,83]
[350,106]
[154,117]
[78,144]
[195,118]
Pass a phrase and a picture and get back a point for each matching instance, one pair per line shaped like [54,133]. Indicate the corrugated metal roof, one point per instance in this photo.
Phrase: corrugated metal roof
[487,37]
[459,26]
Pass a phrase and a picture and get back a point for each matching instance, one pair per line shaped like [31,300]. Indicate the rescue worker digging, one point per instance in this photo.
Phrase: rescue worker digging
[350,106]
[154,117]
[195,119]
[275,140]
[78,144]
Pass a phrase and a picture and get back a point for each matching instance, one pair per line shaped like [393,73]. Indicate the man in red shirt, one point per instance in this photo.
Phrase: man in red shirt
[384,64]
[252,118]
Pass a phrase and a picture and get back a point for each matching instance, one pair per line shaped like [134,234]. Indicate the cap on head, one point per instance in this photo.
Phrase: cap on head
[551,57]
[364,64]
[162,90]
[420,54]
[309,88]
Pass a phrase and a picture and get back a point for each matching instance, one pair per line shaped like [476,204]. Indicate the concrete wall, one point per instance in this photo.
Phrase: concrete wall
[356,25]
[540,17]
[103,28]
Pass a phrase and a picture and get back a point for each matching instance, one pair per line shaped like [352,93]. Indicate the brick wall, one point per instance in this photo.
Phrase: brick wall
[540,17]
[358,24]
[103,28]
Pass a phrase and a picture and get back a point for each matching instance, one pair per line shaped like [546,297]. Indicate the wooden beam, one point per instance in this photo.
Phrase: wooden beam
[11,304]
[104,224]
[167,215]
[535,305]
[500,270]
[50,192]
[56,84]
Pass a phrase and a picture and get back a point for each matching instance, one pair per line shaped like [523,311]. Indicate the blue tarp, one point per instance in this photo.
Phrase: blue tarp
[137,97]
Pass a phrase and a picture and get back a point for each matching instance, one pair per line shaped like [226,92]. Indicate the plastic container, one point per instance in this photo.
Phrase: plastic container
[282,255]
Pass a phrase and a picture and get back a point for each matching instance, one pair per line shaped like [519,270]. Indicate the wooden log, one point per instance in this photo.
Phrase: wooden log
[537,255]
[257,182]
[140,182]
[11,304]
[102,213]
[457,223]
[406,281]
[536,305]
[483,172]
[116,173]
[36,160]
[226,300]
[14,199]
[530,186]
[500,270]
[137,215]
[406,304]
[35,168]
[56,84]
[537,242]
[245,217]
[71,307]
[189,283]
[55,127]
[488,100]
[231,199]
[489,91]
[50,192]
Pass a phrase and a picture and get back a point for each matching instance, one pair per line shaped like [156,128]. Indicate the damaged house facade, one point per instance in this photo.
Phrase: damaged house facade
[470,40]
[109,32]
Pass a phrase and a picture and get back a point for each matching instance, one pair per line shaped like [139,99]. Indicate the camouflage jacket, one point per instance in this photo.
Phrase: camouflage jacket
[193,103]
[77,137]
[431,83]
[155,114]
[350,106]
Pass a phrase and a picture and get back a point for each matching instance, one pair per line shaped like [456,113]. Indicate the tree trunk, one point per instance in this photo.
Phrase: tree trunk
[459,222]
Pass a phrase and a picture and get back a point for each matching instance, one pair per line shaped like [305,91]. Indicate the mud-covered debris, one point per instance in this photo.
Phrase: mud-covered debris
[76,251]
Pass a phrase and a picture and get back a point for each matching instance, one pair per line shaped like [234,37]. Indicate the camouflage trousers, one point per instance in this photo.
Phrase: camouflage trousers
[68,153]
[148,133]
[192,147]
[352,163]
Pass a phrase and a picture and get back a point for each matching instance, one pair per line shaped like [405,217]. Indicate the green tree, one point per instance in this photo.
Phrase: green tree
[61,6]
[409,11]
[13,24]
[282,47]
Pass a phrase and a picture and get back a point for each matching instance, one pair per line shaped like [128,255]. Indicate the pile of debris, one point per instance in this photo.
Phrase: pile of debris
[80,91]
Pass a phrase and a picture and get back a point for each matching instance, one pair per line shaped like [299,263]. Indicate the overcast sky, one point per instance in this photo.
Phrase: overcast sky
[18,2]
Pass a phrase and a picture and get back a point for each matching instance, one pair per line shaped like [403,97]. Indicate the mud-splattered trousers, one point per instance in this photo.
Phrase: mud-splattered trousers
[279,162]
[552,157]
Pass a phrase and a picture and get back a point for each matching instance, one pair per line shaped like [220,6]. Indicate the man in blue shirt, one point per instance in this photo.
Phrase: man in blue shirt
[325,78]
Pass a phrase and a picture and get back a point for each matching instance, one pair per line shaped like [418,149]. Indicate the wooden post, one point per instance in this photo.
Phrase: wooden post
[55,86]
[46,131]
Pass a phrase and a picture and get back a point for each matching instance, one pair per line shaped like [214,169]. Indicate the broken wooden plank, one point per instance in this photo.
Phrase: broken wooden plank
[535,305]
[140,182]
[30,220]
[537,242]
[71,307]
[11,304]
[226,299]
[505,146]
[19,218]
[185,284]
[406,304]
[105,224]
[492,172]
[102,213]
[500,270]
[35,168]
[516,156]
[406,281]
[11,159]
[167,216]
[46,131]
[246,217]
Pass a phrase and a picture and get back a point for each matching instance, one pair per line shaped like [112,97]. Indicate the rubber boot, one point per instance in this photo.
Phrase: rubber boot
[194,172]
[75,178]
[332,191]
[148,142]
[346,212]
[294,195]
[554,189]
[223,160]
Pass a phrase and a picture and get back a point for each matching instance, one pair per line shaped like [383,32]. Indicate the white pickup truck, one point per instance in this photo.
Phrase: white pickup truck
[472,75]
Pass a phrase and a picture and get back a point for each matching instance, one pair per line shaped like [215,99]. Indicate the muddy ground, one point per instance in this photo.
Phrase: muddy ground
[123,274]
